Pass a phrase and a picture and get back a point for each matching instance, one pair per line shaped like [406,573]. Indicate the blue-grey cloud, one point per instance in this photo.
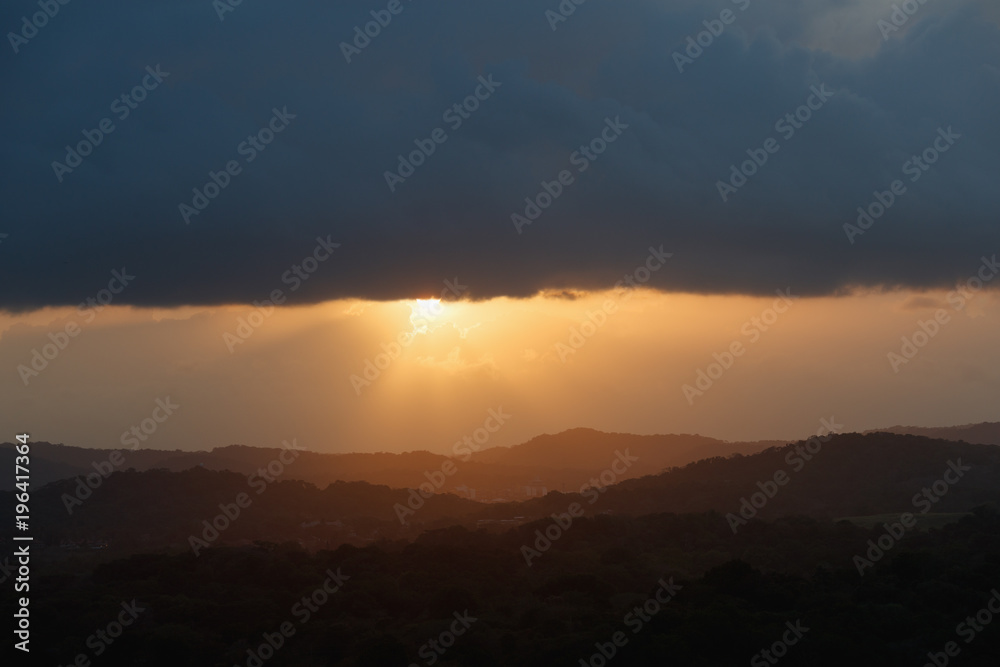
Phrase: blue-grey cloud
[324,174]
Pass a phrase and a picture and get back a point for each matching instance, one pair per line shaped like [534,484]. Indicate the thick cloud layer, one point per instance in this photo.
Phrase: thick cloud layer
[607,65]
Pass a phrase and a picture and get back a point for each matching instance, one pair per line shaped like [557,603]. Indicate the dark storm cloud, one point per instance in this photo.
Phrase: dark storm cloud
[323,175]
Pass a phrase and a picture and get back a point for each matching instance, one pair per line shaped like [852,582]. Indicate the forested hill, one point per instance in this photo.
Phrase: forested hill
[555,462]
[850,475]
[987,433]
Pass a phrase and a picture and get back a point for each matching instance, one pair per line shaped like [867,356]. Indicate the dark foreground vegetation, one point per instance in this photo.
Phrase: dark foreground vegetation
[730,598]
[726,561]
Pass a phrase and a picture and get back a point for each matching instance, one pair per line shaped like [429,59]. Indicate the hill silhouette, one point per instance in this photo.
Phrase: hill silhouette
[851,475]
[587,449]
[986,433]
[130,538]
[551,462]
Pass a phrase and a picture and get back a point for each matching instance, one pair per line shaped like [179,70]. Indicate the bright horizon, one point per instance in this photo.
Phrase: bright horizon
[312,372]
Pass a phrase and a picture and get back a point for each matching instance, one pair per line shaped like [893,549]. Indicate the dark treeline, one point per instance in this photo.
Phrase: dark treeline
[737,594]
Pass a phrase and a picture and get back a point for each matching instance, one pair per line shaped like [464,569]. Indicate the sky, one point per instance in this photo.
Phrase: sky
[661,170]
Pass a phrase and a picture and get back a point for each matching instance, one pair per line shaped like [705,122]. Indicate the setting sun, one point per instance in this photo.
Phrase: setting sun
[424,312]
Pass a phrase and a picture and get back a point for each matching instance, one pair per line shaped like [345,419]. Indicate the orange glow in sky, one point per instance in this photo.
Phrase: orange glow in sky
[369,376]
